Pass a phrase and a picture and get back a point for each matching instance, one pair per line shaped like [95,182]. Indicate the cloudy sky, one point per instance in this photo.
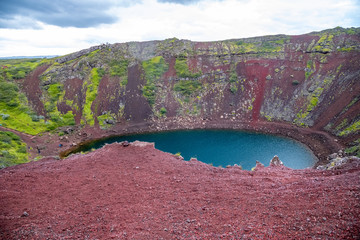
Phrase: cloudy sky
[57,27]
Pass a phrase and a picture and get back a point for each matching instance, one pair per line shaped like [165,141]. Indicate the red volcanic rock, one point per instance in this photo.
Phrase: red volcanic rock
[138,192]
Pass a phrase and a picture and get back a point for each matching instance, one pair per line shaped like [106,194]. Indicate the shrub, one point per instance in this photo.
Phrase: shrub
[4,116]
[295,82]
[163,111]
[35,118]
[8,92]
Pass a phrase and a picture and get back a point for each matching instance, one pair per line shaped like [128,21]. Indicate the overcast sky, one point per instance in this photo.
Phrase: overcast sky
[57,27]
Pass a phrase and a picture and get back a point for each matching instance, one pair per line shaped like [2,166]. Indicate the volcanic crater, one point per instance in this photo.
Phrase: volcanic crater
[306,87]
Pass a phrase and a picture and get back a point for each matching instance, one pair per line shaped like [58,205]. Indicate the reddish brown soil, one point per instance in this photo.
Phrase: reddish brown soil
[31,86]
[139,192]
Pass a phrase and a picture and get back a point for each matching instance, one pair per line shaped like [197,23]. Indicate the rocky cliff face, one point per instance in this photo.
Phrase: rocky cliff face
[309,80]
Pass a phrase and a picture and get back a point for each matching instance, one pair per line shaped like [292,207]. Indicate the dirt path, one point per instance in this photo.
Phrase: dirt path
[139,192]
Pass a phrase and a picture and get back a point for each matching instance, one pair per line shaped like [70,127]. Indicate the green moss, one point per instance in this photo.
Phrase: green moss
[341,125]
[322,39]
[106,117]
[15,113]
[91,86]
[351,129]
[188,87]
[314,99]
[346,49]
[268,118]
[55,91]
[18,68]
[12,150]
[9,93]
[355,149]
[183,71]
[154,68]
[163,111]
[352,31]
[233,88]
[324,44]
[118,68]
[259,46]
[245,47]
[149,92]
[21,120]
[310,69]
[93,53]
[59,119]
[56,94]
[233,76]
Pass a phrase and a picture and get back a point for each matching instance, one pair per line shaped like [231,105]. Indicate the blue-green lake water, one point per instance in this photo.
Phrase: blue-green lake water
[225,147]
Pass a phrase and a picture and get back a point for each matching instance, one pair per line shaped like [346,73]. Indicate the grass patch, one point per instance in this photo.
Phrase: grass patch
[91,86]
[310,69]
[105,119]
[163,112]
[351,129]
[18,68]
[314,99]
[118,68]
[15,113]
[154,68]
[56,94]
[183,71]
[267,46]
[188,87]
[354,150]
[12,150]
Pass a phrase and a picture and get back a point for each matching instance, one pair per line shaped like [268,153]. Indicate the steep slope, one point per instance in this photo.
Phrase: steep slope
[309,80]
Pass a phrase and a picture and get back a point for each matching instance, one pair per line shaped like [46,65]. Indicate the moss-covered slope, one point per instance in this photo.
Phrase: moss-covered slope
[309,80]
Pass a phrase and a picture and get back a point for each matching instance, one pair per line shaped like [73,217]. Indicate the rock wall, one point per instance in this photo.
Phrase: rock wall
[309,80]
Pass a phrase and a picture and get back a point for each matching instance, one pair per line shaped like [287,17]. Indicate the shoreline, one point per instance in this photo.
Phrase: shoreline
[320,143]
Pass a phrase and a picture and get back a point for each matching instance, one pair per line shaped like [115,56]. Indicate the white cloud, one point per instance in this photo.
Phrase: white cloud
[201,21]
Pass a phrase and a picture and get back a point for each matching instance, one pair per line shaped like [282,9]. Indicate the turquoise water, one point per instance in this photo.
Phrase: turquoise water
[225,147]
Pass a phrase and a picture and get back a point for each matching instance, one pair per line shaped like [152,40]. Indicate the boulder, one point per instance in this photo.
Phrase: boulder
[276,162]
[109,121]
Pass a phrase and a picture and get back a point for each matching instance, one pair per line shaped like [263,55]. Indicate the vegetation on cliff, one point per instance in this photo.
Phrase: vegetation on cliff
[309,80]
[154,68]
[12,150]
[15,111]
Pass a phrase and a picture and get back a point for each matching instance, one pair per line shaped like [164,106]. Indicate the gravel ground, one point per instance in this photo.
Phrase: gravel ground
[138,192]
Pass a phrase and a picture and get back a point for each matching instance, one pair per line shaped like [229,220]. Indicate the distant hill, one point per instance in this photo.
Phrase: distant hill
[22,57]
